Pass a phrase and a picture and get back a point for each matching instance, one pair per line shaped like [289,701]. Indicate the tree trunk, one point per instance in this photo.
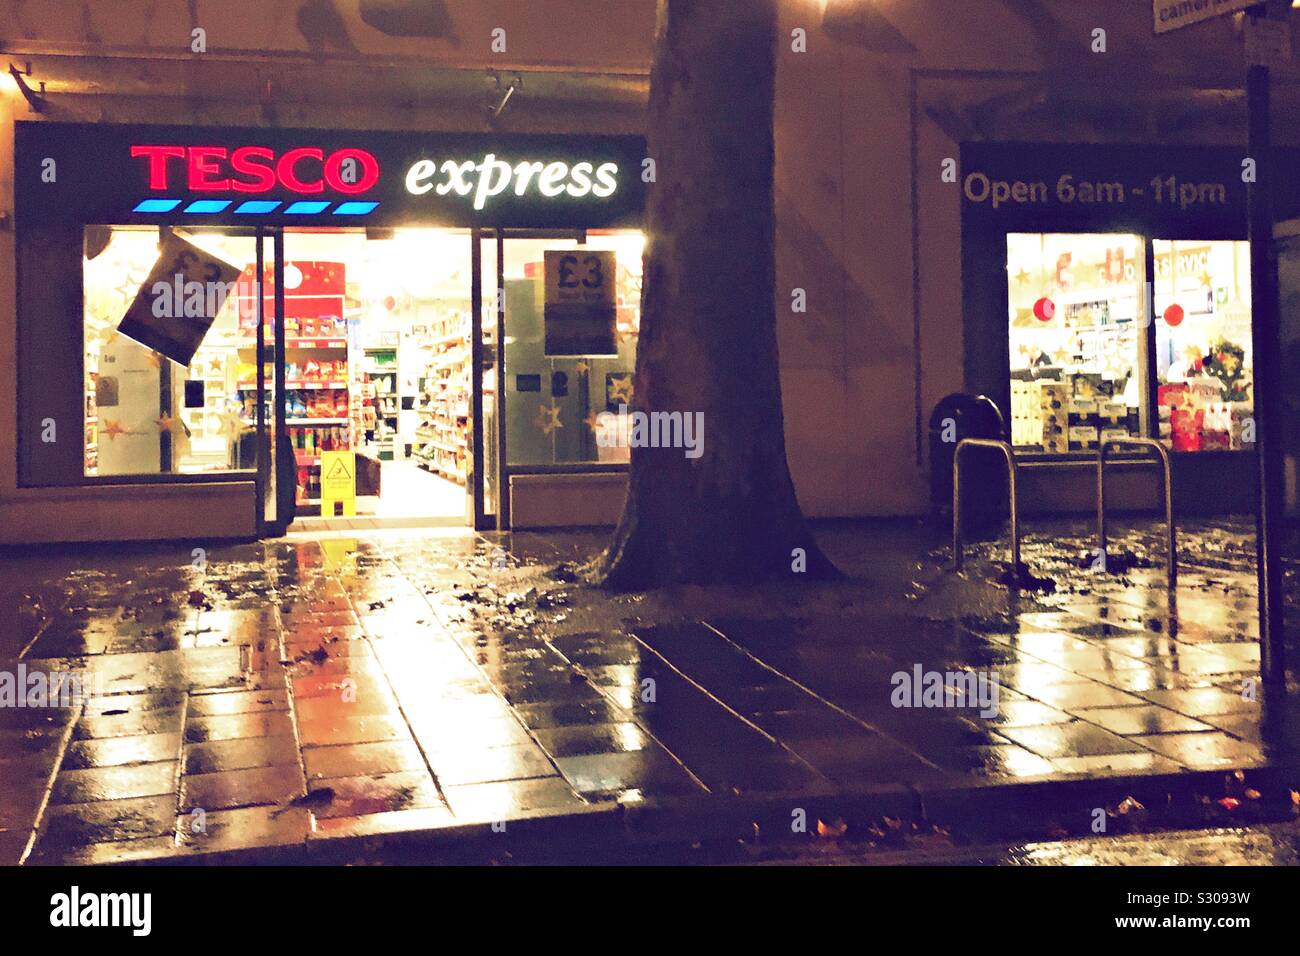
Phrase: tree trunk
[708,320]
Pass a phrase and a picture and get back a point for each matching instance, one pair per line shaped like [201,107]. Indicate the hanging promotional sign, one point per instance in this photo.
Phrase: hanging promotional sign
[179,299]
[580,305]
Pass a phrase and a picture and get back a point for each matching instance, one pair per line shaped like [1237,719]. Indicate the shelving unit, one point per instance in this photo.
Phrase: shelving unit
[318,406]
[91,446]
[379,400]
[442,437]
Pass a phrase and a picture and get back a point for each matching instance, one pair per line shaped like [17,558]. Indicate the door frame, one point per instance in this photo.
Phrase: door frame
[270,523]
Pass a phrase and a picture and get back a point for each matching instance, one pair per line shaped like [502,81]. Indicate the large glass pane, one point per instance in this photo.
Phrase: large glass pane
[564,408]
[1203,343]
[145,413]
[1076,307]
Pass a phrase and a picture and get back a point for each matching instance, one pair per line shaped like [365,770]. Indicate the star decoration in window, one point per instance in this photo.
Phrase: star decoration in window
[113,428]
[229,423]
[128,289]
[620,390]
[548,418]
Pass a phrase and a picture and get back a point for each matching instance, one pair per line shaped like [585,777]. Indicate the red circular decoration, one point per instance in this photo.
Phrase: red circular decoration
[1174,315]
[1044,309]
[390,303]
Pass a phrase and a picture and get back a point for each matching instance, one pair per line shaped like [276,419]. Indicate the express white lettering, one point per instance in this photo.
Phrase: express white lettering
[492,177]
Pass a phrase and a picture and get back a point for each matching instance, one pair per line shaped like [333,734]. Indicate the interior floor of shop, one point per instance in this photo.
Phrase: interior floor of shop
[410,497]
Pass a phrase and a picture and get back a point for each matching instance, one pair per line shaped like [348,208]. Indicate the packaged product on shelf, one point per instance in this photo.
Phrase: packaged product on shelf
[1113,415]
[1056,442]
[1083,437]
[1205,391]
[1173,395]
[1186,428]
[1054,396]
[1087,386]
[1083,411]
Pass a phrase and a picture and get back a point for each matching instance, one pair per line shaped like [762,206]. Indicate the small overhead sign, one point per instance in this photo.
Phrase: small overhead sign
[1172,14]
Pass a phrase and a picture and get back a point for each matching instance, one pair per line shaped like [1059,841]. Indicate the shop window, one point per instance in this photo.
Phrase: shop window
[146,413]
[1203,343]
[569,373]
[1077,304]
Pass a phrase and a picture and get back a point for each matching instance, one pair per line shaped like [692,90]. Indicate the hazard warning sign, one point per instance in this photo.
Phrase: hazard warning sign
[338,482]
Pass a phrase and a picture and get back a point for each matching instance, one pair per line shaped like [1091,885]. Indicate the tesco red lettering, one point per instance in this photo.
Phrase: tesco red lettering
[257,169]
[263,173]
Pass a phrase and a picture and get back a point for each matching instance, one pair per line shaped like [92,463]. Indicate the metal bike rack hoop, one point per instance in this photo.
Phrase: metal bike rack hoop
[1005,448]
[1163,454]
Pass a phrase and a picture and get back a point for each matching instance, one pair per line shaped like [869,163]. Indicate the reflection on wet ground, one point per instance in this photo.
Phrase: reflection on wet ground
[312,688]
[1267,845]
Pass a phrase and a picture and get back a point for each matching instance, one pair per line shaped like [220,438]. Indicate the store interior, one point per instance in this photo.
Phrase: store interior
[377,362]
[1078,325]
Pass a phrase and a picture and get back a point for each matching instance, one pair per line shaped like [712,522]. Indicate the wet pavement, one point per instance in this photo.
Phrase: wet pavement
[1276,844]
[316,691]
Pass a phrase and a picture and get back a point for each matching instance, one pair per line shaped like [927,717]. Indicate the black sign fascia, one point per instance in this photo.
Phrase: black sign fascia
[85,173]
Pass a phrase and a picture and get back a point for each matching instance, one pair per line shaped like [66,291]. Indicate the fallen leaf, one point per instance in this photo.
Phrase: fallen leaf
[1128,805]
[833,830]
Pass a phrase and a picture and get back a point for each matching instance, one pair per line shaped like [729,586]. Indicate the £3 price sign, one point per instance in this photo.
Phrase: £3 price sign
[580,302]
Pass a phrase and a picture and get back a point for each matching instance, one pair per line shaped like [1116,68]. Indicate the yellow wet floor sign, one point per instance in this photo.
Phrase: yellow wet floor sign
[338,482]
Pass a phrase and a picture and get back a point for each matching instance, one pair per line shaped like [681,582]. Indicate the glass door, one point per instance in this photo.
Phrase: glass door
[259,374]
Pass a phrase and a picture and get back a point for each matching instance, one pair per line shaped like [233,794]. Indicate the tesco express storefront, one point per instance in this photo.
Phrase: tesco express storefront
[404,282]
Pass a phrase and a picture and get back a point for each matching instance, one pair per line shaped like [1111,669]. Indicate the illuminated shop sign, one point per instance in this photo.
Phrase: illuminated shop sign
[492,176]
[303,171]
[214,175]
[257,169]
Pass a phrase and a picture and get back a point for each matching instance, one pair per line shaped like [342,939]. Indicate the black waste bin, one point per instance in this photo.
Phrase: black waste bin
[983,470]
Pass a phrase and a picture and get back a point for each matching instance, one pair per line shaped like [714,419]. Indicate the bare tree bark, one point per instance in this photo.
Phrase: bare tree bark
[708,321]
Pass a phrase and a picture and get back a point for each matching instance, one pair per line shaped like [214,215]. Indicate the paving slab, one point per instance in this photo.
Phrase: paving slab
[319,690]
